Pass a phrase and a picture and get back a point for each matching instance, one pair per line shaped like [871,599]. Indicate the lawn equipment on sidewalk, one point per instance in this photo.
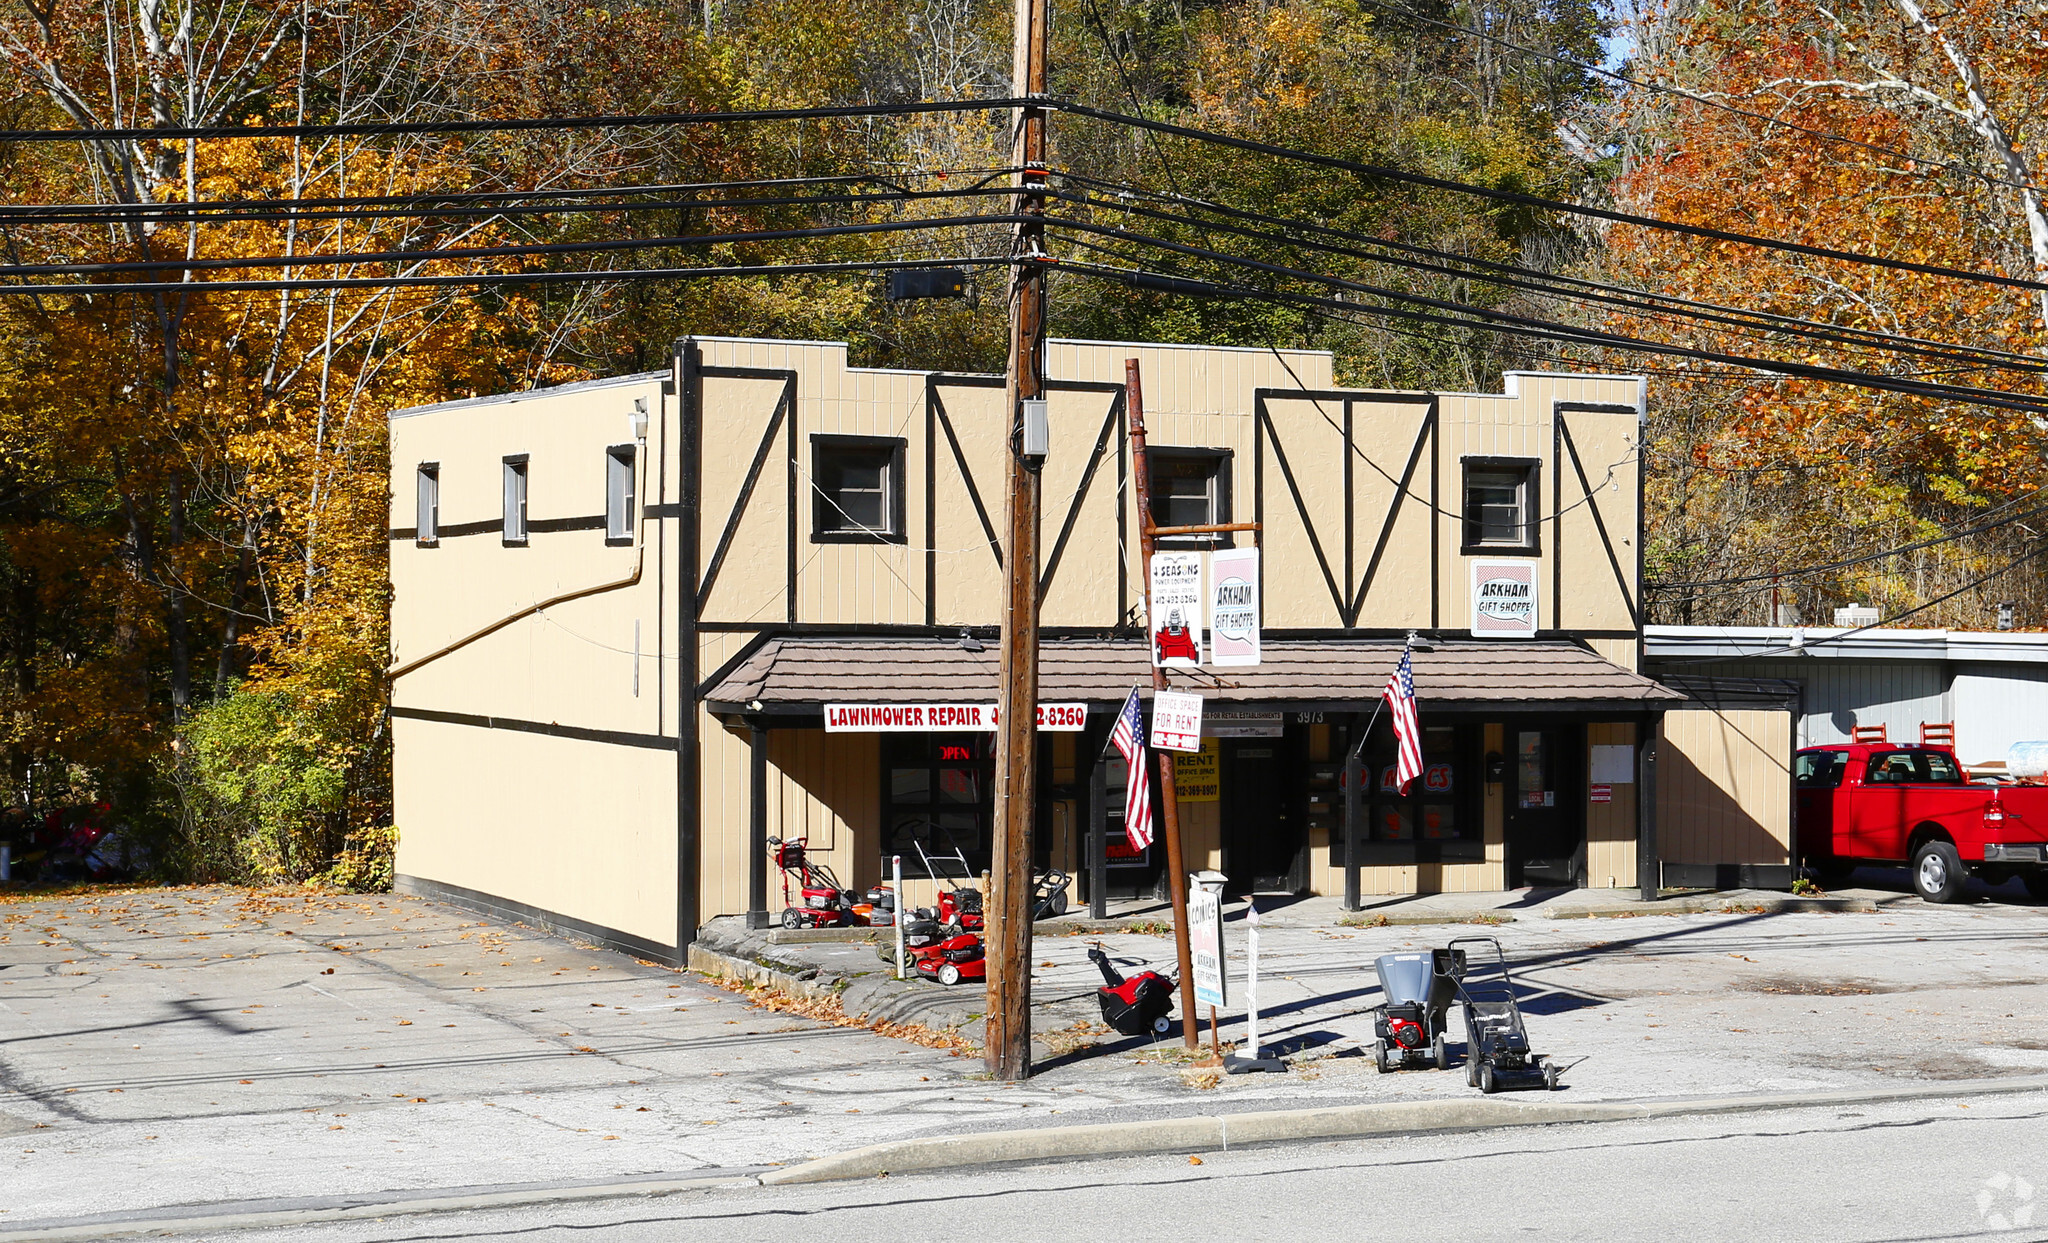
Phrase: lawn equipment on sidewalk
[959,904]
[936,951]
[1049,893]
[1496,1041]
[1137,1005]
[823,903]
[1409,1023]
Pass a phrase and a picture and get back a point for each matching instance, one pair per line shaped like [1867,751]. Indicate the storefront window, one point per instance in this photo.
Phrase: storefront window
[1118,852]
[938,799]
[1431,821]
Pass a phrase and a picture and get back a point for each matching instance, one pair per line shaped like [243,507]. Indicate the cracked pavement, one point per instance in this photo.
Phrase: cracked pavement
[163,1047]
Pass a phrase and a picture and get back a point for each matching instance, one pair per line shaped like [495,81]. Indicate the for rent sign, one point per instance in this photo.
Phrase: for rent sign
[933,717]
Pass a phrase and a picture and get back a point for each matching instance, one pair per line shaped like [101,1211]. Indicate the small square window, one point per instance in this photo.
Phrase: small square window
[619,494]
[857,490]
[1189,488]
[515,499]
[1500,505]
[428,518]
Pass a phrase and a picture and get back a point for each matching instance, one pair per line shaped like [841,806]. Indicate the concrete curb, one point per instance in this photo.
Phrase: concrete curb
[204,1219]
[1214,1132]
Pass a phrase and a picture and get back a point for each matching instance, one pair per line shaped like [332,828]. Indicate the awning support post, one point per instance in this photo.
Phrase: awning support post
[1098,837]
[1353,745]
[757,826]
[1649,868]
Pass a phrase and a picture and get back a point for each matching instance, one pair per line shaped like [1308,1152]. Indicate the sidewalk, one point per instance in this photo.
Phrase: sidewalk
[164,1047]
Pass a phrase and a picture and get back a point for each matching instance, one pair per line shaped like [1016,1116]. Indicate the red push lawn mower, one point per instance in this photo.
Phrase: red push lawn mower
[959,904]
[935,951]
[825,904]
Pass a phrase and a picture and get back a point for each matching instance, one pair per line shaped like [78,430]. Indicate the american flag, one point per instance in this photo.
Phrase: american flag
[1129,737]
[1400,697]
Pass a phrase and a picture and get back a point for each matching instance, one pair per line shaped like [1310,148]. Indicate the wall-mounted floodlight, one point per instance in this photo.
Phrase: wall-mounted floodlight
[1037,428]
[639,418]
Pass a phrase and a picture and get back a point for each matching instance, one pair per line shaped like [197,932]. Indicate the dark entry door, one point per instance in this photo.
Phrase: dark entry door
[1263,829]
[1546,822]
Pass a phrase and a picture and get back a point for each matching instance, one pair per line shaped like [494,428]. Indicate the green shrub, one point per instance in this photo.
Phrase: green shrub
[261,800]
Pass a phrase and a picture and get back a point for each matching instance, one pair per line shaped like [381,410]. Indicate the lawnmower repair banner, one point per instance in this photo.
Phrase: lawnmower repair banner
[1069,718]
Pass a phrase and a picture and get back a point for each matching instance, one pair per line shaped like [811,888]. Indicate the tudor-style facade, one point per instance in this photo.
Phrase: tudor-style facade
[621,607]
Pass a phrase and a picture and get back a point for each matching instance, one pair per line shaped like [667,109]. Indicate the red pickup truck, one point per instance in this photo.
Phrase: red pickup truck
[1887,803]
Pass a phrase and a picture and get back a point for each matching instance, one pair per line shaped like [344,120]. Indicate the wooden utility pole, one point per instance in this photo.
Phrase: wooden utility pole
[1007,937]
[1169,796]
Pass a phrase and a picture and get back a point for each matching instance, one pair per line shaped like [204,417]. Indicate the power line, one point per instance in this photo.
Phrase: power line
[1531,200]
[1619,296]
[287,211]
[454,280]
[1446,261]
[1507,321]
[1708,101]
[1849,562]
[372,129]
[525,250]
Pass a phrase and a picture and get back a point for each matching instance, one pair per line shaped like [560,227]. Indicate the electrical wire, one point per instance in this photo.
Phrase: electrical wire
[1806,644]
[174,208]
[371,129]
[750,271]
[200,213]
[1532,279]
[1708,101]
[1510,322]
[1388,173]
[524,250]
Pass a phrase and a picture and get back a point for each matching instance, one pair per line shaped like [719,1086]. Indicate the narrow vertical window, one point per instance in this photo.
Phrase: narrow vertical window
[618,494]
[515,499]
[429,517]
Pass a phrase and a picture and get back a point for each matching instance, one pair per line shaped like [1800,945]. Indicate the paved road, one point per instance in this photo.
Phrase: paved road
[1930,1170]
[167,1047]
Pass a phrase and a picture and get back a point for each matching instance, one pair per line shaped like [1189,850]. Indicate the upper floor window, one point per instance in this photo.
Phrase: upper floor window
[515,499]
[428,519]
[1190,488]
[619,492]
[1500,505]
[857,489]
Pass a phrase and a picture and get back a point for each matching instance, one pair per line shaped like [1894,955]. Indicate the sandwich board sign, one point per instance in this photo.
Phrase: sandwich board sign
[1205,945]
[1174,610]
[1234,607]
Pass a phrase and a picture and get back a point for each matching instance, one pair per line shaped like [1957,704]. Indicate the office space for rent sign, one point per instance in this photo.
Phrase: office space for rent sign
[1504,599]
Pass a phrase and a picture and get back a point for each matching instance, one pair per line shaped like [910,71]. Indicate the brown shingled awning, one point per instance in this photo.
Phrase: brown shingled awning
[797,675]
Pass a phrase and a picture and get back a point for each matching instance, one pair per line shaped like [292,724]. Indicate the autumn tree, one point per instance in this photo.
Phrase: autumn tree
[1877,129]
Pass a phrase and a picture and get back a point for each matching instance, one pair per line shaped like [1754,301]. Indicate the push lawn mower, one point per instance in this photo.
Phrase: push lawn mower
[1409,1024]
[1136,1006]
[824,903]
[959,904]
[1496,1041]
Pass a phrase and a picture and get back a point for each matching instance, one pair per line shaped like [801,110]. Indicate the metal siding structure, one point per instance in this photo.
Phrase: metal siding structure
[1997,705]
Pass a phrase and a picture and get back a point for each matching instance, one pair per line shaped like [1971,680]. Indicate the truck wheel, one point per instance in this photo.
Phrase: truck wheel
[2037,884]
[1938,874]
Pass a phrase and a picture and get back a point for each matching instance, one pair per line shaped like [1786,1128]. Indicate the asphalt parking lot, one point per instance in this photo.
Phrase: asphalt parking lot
[182,1046]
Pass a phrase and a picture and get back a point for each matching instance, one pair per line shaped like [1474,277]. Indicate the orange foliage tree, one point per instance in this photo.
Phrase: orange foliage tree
[1871,128]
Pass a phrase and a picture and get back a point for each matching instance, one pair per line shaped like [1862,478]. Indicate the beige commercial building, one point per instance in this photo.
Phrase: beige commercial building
[627,611]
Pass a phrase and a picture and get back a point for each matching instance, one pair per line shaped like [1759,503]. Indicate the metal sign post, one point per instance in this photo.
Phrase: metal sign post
[1251,1061]
[896,878]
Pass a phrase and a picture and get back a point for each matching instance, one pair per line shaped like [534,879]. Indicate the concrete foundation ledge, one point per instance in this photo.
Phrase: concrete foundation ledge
[1219,1132]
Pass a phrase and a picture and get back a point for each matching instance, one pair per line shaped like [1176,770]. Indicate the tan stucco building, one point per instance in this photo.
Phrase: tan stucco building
[622,608]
